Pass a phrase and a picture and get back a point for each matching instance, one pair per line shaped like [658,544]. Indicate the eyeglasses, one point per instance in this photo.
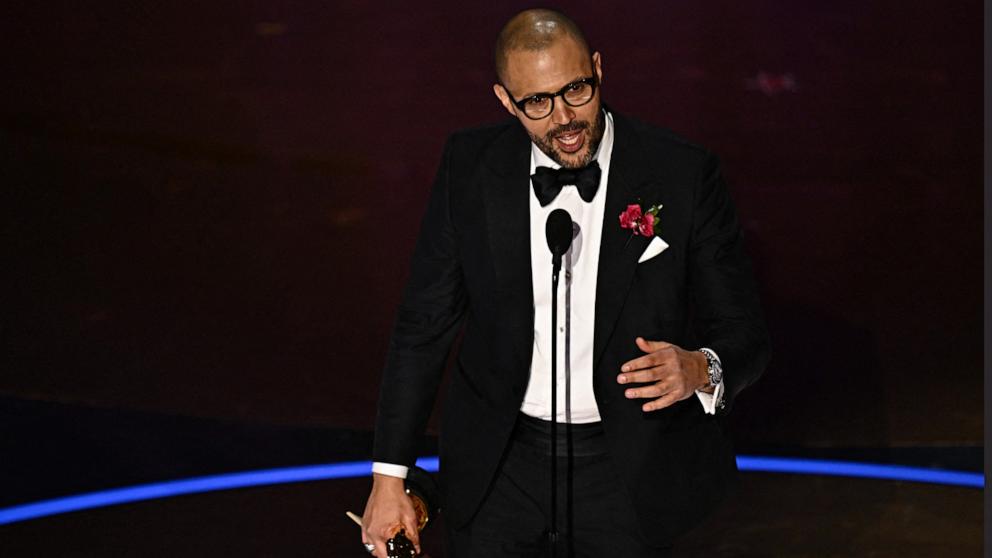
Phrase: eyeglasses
[574,94]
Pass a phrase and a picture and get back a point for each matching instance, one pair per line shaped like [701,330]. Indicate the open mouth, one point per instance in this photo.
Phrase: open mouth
[570,141]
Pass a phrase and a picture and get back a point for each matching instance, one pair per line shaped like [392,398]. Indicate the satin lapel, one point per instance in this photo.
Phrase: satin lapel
[619,251]
[506,185]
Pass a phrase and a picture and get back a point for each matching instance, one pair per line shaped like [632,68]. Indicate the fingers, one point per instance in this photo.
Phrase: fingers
[379,536]
[657,389]
[377,540]
[412,532]
[651,346]
[384,535]
[645,362]
[659,353]
[669,385]
[660,403]
[652,374]
[664,393]
[380,544]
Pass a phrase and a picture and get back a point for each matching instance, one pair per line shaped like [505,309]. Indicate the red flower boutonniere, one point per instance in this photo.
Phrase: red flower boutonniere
[644,223]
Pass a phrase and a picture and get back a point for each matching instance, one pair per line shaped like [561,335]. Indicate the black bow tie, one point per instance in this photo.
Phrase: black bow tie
[548,182]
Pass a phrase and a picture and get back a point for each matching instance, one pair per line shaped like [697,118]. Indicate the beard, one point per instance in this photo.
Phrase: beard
[595,135]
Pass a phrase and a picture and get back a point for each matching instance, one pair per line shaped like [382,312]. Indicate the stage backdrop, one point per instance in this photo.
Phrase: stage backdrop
[209,209]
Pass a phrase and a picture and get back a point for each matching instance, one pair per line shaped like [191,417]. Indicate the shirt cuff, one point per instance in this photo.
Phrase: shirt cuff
[390,469]
[711,401]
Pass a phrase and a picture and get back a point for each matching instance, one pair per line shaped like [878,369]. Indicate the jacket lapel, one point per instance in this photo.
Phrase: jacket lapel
[619,250]
[506,187]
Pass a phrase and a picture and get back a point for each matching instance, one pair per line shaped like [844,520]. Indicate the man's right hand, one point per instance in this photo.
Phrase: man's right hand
[388,510]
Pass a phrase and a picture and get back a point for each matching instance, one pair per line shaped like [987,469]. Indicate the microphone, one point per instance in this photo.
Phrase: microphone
[558,229]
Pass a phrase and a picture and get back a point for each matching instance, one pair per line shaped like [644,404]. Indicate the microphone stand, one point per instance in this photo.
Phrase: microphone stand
[559,230]
[553,533]
[556,268]
[569,450]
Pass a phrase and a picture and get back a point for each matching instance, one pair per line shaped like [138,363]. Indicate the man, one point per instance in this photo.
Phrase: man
[649,459]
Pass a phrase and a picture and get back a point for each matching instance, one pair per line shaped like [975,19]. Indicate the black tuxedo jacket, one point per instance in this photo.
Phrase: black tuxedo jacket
[471,267]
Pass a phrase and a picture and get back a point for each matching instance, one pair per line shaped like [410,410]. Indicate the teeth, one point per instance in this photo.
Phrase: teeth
[569,139]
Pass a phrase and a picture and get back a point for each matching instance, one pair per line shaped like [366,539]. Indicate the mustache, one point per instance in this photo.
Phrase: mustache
[572,126]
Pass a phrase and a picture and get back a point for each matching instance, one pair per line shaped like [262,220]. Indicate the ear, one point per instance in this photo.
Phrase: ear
[504,97]
[597,66]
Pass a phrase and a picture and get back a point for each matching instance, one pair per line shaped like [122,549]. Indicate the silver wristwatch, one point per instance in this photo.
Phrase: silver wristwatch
[713,367]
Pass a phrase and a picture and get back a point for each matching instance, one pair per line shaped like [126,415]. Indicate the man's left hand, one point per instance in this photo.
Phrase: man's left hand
[670,373]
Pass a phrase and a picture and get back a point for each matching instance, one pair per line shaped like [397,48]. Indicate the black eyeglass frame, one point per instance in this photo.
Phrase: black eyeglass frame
[590,81]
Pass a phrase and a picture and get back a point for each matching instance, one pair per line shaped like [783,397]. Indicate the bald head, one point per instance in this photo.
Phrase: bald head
[534,30]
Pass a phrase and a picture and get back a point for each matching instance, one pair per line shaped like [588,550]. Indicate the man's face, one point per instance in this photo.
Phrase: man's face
[569,135]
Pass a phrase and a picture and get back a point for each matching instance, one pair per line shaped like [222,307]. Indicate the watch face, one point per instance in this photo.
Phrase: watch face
[717,375]
[716,371]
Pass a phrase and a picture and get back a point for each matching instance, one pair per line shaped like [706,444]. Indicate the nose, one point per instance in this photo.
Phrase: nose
[562,113]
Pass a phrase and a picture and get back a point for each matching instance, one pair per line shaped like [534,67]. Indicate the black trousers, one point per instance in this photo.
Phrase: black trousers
[514,519]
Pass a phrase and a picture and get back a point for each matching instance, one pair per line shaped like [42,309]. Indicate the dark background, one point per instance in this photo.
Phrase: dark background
[208,209]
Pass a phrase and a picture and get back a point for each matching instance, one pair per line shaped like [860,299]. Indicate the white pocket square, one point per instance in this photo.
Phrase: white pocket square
[656,247]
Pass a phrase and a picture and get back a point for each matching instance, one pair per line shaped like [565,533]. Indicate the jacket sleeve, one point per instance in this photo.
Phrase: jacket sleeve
[727,313]
[433,304]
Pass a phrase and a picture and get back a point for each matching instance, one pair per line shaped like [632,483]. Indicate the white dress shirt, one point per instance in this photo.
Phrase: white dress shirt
[577,282]
[580,267]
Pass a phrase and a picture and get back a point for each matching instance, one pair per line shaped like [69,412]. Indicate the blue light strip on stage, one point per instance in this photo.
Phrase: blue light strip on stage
[854,469]
[356,469]
[195,485]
